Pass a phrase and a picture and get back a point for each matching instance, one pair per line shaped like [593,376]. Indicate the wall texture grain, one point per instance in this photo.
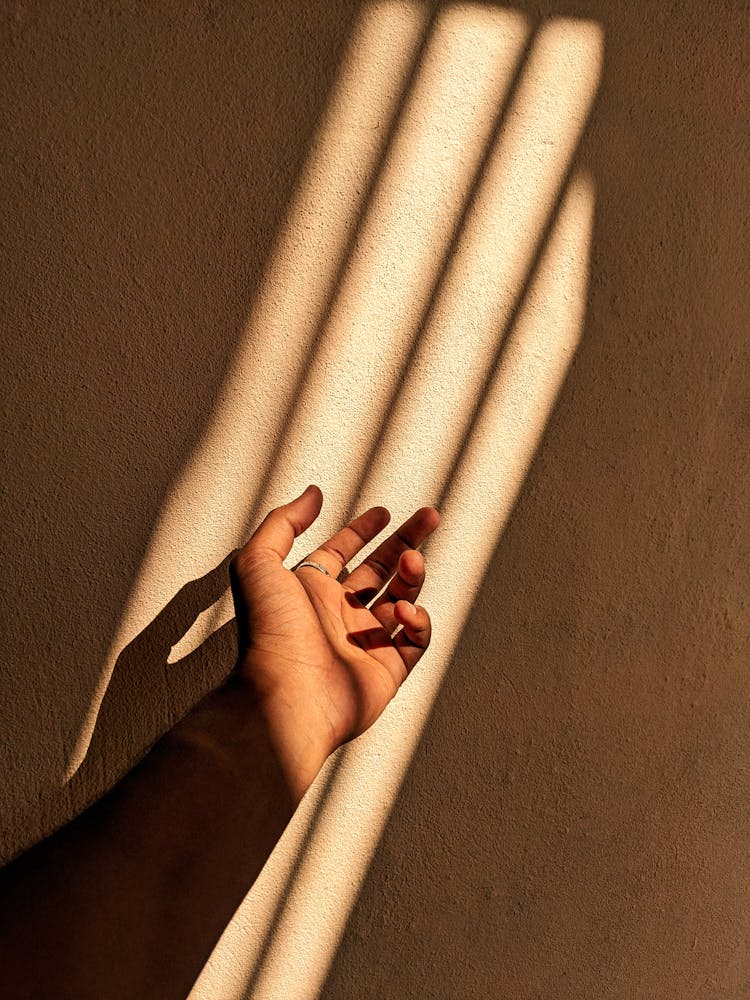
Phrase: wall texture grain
[494,258]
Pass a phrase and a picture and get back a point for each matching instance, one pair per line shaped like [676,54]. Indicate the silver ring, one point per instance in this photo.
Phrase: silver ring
[313,565]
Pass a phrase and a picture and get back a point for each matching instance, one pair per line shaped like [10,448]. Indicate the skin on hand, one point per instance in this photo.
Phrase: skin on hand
[324,658]
[165,858]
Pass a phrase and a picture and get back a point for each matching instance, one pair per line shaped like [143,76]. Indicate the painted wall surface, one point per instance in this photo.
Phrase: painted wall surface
[223,227]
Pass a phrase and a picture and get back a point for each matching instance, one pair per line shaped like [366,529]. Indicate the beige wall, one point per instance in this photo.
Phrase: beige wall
[181,192]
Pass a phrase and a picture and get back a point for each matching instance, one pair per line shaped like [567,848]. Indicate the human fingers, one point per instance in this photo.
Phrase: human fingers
[341,547]
[405,585]
[414,637]
[371,575]
[281,526]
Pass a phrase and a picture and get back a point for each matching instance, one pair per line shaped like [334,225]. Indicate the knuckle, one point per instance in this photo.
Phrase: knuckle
[412,580]
[333,551]
[379,567]
[411,567]
[244,561]
[357,533]
[423,621]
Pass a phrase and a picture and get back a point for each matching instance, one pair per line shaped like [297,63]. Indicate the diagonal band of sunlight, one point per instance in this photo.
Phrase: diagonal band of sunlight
[430,202]
[392,271]
[395,259]
[510,424]
[505,430]
[478,502]
[214,489]
[480,290]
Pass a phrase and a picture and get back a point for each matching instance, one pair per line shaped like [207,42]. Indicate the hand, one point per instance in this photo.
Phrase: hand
[321,656]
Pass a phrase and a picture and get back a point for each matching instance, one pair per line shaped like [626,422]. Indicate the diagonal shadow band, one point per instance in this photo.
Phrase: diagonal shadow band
[456,236]
[365,205]
[159,697]
[518,303]
[519,299]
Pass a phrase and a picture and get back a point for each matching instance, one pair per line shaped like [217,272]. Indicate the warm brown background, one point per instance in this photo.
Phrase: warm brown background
[575,823]
[149,155]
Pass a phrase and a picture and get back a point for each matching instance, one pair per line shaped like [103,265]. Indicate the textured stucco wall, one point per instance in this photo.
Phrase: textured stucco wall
[574,822]
[148,158]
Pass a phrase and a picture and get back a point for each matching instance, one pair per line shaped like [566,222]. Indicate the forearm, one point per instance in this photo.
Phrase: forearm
[131,897]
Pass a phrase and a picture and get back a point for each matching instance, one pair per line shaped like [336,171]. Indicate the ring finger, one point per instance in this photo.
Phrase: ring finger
[341,547]
[371,575]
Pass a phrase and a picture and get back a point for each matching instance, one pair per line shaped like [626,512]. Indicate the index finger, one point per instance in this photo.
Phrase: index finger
[372,575]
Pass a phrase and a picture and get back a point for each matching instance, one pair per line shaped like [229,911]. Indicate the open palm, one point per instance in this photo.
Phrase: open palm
[329,655]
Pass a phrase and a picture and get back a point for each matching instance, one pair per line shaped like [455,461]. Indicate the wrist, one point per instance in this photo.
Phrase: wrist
[300,733]
[237,726]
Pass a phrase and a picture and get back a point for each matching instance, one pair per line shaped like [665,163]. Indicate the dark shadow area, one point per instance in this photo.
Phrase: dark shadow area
[147,694]
[148,160]
[574,822]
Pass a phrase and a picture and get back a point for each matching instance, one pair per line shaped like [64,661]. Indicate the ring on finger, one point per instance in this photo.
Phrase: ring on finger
[312,565]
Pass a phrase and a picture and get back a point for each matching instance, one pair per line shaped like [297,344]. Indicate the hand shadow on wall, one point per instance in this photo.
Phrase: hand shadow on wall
[147,694]
[149,170]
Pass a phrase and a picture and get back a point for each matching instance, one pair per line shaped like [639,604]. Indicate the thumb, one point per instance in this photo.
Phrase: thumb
[282,525]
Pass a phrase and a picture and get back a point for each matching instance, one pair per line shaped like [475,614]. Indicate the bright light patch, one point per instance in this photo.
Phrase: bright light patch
[432,225]
[529,211]
[465,73]
[207,511]
[514,203]
[512,420]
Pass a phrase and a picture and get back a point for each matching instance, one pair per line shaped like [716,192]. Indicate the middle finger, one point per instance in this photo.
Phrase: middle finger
[372,575]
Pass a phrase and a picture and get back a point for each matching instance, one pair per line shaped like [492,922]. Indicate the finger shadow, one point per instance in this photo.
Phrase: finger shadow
[147,694]
[370,638]
[148,181]
[359,599]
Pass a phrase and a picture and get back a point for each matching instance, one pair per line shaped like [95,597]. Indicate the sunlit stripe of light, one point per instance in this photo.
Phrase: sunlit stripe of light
[516,198]
[512,421]
[206,512]
[465,74]
[465,71]
[316,855]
